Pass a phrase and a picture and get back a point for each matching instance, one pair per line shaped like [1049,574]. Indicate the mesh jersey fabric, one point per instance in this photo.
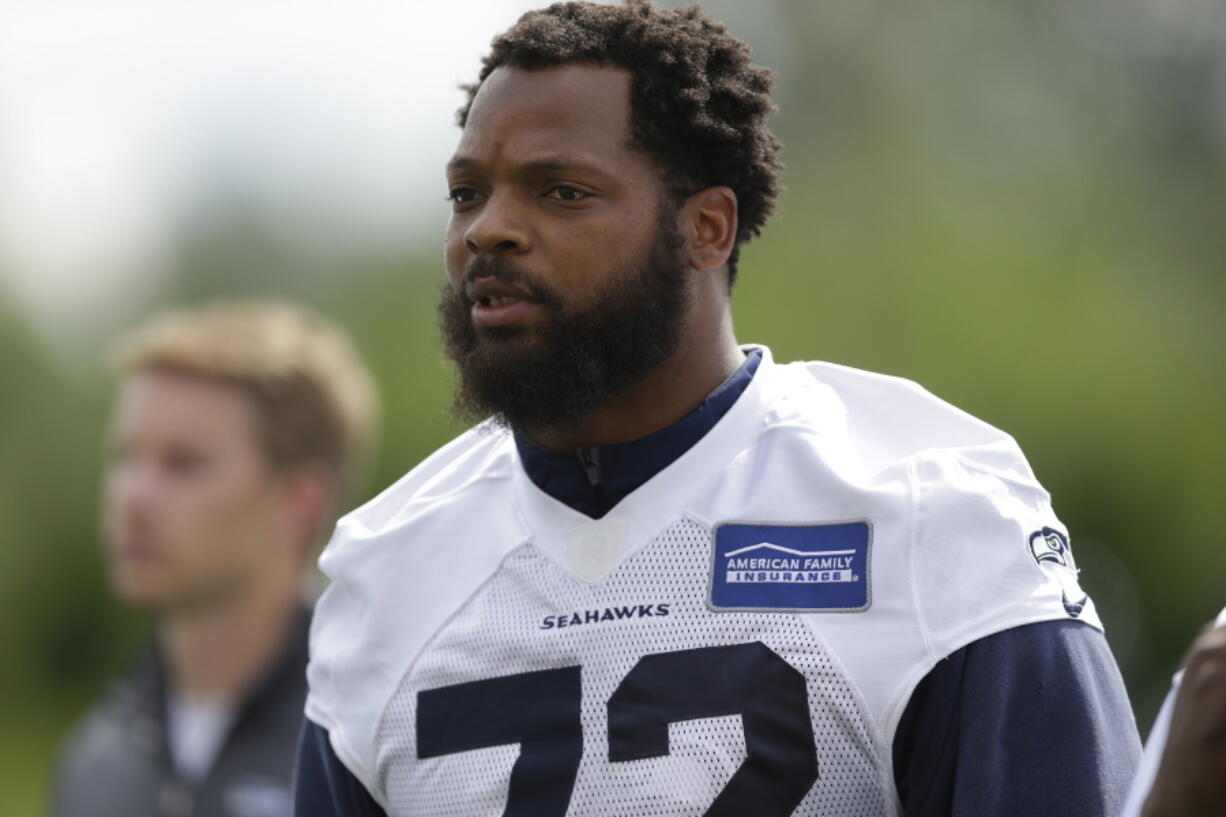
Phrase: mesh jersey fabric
[498,628]
[450,576]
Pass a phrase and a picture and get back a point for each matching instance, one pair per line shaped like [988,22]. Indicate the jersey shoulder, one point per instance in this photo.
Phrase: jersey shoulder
[964,541]
[981,520]
[480,453]
[886,419]
[398,567]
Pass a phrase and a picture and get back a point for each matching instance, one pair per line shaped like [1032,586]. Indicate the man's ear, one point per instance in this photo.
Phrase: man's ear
[709,223]
[312,499]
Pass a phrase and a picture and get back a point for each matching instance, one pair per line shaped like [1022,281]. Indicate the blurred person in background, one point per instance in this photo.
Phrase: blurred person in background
[1183,770]
[237,429]
[669,576]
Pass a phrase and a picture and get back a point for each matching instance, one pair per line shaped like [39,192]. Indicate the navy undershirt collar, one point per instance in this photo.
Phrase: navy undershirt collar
[593,480]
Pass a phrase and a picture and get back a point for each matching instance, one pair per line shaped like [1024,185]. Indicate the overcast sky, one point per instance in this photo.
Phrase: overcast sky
[118,116]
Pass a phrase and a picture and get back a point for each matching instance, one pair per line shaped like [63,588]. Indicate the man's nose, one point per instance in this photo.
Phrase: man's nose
[133,484]
[499,227]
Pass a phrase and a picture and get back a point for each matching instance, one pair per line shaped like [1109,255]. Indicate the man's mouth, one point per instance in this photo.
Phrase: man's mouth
[497,303]
[497,300]
[499,311]
[136,547]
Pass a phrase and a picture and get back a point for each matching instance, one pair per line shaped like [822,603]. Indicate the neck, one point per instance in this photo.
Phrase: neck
[222,650]
[707,356]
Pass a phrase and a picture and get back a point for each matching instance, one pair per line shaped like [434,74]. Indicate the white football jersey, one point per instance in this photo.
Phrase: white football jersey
[739,635]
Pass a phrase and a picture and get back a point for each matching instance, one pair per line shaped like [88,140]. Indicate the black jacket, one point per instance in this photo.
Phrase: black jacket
[116,762]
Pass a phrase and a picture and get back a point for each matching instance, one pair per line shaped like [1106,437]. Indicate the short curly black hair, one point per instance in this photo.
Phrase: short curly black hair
[699,104]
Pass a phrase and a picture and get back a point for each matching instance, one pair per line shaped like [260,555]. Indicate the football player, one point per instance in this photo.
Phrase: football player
[669,575]
[1183,770]
[235,429]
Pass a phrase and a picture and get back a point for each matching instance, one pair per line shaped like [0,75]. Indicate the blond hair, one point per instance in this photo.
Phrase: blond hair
[315,399]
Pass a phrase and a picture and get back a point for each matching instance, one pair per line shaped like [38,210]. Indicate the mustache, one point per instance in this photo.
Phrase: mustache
[502,269]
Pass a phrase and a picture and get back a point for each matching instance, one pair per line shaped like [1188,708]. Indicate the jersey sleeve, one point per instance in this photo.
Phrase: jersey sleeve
[988,553]
[352,668]
[1032,720]
[323,786]
[397,571]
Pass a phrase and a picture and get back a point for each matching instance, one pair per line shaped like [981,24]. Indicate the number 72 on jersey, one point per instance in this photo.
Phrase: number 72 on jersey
[541,712]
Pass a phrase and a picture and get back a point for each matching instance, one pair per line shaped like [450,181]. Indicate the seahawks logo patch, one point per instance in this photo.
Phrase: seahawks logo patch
[1050,545]
[1051,551]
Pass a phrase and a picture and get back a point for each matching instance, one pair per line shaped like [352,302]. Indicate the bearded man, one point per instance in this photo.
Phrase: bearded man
[667,575]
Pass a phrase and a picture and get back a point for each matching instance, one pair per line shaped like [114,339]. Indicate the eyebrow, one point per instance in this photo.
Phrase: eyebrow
[543,164]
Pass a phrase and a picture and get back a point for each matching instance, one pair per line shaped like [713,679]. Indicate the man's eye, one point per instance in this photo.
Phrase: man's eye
[183,462]
[461,195]
[567,193]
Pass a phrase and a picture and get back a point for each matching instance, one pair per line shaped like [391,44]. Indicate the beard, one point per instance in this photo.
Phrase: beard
[582,356]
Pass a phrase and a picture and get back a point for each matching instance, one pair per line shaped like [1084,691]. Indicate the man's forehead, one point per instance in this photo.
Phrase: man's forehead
[589,105]
[169,397]
[590,87]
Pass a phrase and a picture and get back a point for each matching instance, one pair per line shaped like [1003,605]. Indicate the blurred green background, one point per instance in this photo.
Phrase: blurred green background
[1022,206]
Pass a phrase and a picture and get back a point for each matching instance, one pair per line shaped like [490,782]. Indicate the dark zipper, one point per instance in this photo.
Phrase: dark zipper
[589,458]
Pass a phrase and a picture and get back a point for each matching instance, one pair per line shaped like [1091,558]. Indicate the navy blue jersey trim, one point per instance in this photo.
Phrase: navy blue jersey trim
[595,480]
[323,786]
[1032,720]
